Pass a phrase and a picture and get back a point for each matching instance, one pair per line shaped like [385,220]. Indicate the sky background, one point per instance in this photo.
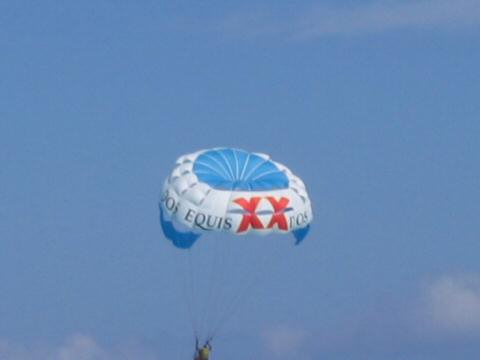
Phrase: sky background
[374,104]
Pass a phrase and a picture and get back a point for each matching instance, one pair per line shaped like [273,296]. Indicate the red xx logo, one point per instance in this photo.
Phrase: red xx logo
[250,216]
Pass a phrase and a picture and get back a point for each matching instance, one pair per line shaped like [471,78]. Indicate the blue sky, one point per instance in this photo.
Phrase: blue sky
[375,105]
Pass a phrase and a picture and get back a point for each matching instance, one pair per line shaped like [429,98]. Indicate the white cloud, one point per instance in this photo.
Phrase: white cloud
[76,347]
[370,18]
[81,347]
[283,341]
[453,303]
[379,17]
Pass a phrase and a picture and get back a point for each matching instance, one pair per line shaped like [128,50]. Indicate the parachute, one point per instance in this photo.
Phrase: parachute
[232,192]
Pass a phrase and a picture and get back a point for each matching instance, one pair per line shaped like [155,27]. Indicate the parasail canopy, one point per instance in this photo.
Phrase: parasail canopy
[234,191]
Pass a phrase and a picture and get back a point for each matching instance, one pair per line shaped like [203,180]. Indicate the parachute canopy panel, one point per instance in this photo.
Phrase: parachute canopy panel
[232,169]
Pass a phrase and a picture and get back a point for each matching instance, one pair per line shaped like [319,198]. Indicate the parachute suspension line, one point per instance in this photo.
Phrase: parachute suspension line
[215,262]
[191,295]
[228,292]
[219,296]
[182,267]
[207,283]
[235,303]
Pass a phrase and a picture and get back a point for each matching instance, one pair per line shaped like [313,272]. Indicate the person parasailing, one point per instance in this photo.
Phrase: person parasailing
[203,353]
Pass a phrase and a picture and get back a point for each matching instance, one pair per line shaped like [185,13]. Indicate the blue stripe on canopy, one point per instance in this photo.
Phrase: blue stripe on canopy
[234,169]
[182,240]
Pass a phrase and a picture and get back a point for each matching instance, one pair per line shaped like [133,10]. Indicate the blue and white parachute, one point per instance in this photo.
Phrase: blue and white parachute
[235,191]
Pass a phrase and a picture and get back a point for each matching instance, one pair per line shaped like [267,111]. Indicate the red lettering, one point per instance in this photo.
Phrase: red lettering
[250,218]
[278,217]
